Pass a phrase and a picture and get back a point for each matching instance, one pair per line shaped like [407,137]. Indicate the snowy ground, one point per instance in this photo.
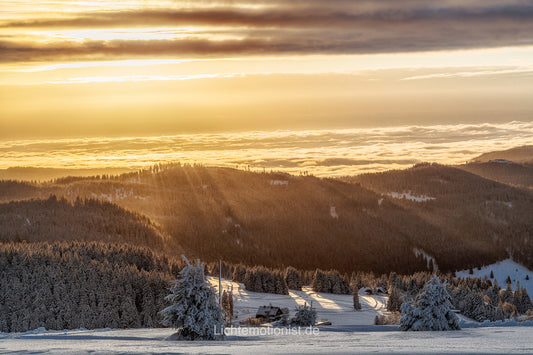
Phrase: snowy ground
[351,332]
[410,196]
[501,271]
[338,309]
[371,339]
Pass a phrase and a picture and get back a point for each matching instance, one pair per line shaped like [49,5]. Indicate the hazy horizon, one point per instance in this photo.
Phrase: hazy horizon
[318,152]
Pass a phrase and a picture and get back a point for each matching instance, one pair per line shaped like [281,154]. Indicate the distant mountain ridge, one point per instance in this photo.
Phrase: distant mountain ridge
[503,171]
[521,155]
[512,167]
[30,173]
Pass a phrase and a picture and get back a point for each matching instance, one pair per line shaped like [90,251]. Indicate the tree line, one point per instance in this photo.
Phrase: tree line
[68,285]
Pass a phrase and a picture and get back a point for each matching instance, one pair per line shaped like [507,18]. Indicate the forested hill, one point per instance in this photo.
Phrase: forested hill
[51,220]
[507,172]
[477,215]
[253,218]
[277,220]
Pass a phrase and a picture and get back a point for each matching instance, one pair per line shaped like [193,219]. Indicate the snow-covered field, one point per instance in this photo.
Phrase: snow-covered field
[369,339]
[338,309]
[501,271]
[351,332]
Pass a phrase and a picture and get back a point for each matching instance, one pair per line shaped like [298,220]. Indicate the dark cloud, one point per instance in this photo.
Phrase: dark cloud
[332,15]
[292,27]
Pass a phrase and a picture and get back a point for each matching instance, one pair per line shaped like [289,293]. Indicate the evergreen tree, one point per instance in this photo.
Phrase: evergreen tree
[474,307]
[492,294]
[292,279]
[356,281]
[522,300]
[330,282]
[517,298]
[508,280]
[431,311]
[305,316]
[412,288]
[195,311]
[281,285]
[337,283]
[394,302]
[356,303]
[261,279]
[506,295]
[239,273]
[395,281]
[319,283]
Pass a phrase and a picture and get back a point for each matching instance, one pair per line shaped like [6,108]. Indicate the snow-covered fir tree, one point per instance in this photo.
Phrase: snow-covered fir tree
[320,282]
[261,279]
[431,310]
[305,316]
[330,282]
[292,279]
[195,311]
[475,307]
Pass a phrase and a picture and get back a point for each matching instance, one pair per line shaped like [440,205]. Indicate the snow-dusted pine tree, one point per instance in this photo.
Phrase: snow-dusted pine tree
[293,279]
[475,308]
[320,282]
[305,316]
[431,311]
[195,311]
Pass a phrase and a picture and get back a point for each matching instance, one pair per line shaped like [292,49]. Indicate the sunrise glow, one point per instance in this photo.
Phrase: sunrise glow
[76,69]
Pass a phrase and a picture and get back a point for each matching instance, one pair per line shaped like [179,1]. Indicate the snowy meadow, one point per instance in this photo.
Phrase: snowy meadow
[358,340]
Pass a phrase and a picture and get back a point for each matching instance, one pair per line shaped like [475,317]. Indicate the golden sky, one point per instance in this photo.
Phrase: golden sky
[129,68]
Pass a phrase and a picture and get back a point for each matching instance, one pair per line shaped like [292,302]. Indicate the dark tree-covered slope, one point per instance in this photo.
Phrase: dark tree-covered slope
[53,219]
[277,220]
[507,172]
[484,219]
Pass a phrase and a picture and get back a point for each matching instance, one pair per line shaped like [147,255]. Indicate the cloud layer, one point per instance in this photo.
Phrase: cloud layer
[322,152]
[236,28]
